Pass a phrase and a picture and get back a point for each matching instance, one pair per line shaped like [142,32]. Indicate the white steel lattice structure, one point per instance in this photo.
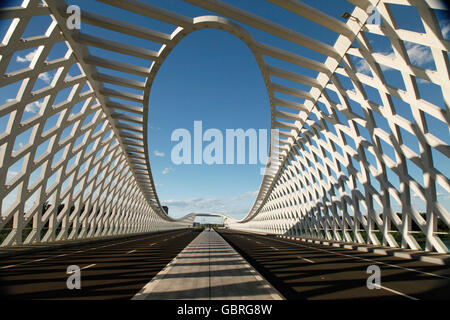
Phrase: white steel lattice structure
[345,159]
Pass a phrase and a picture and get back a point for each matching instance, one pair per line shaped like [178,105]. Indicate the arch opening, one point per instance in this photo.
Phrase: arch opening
[216,93]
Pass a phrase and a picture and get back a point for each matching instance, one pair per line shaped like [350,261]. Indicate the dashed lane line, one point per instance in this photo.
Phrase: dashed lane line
[86,267]
[79,251]
[356,257]
[89,266]
[363,259]
[310,261]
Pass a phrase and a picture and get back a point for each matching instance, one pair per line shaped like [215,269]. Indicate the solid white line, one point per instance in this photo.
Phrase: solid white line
[397,292]
[131,251]
[275,248]
[145,291]
[152,244]
[10,266]
[153,285]
[364,259]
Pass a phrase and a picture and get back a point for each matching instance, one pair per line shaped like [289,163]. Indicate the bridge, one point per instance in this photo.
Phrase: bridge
[357,181]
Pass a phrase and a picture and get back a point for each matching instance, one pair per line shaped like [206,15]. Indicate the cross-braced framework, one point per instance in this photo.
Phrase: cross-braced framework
[361,158]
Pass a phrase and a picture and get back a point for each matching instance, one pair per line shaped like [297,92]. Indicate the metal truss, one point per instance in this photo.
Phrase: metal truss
[345,160]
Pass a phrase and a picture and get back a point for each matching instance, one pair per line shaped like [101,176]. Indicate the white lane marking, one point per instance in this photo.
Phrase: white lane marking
[274,248]
[305,259]
[364,259]
[131,251]
[152,244]
[91,265]
[258,242]
[23,263]
[79,251]
[397,292]
[382,287]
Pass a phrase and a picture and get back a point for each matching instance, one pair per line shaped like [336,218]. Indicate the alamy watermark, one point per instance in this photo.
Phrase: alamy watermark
[74,280]
[374,280]
[73,22]
[229,148]
[374,16]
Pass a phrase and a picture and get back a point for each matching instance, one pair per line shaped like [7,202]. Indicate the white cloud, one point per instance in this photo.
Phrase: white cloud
[362,66]
[34,107]
[68,77]
[12,174]
[237,206]
[251,193]
[443,196]
[45,77]
[167,170]
[445,27]
[158,153]
[192,202]
[245,195]
[390,55]
[415,195]
[27,58]
[419,55]
[199,205]
[420,80]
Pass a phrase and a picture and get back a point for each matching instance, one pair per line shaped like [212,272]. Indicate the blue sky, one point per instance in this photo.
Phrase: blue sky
[212,76]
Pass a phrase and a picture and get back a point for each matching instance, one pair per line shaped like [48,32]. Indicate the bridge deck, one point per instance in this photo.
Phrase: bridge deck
[208,268]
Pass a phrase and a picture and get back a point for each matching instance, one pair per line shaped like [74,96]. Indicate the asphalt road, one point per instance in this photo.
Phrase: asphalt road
[300,270]
[118,269]
[115,269]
